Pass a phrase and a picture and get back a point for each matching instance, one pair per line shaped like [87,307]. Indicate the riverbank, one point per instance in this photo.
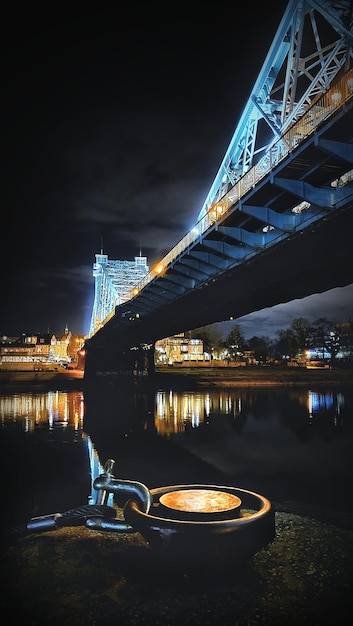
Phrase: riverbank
[82,577]
[185,378]
[58,379]
[254,376]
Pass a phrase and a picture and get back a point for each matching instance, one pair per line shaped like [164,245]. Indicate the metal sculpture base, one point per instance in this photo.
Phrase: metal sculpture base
[188,522]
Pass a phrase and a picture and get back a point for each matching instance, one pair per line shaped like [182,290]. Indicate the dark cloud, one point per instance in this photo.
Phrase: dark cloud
[114,125]
[335,305]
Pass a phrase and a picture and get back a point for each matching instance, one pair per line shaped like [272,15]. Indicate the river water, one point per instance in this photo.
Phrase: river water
[290,445]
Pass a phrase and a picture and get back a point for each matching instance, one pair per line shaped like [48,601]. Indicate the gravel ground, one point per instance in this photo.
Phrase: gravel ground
[76,576]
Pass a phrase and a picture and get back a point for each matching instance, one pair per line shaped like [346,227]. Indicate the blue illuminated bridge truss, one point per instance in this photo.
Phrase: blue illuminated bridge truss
[277,222]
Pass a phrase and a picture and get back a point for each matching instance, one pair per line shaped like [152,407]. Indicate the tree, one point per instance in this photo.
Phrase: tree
[235,342]
[334,342]
[302,331]
[287,343]
[75,343]
[327,337]
[346,330]
[211,338]
[260,346]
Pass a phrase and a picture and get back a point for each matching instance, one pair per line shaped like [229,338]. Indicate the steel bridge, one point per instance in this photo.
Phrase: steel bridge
[277,222]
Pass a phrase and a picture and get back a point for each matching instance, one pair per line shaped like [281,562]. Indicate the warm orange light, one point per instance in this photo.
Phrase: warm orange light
[135,291]
[159,268]
[200,500]
[215,212]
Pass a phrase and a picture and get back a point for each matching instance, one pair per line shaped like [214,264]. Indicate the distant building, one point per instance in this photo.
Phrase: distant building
[38,351]
[178,349]
[60,347]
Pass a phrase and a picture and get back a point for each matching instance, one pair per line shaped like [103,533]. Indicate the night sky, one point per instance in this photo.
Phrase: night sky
[114,125]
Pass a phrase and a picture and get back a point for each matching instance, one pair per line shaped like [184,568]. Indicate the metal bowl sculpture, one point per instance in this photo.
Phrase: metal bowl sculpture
[188,521]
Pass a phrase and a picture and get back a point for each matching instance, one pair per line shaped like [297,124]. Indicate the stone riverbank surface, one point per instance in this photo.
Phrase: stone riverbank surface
[76,576]
[81,577]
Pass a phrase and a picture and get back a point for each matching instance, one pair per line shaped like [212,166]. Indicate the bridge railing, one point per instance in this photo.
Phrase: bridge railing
[319,112]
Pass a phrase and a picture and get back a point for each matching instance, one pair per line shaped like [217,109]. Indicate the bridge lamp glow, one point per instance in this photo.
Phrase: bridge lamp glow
[336,97]
[159,269]
[135,291]
[350,83]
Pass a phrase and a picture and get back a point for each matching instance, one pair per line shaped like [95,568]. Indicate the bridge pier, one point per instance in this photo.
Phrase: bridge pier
[109,360]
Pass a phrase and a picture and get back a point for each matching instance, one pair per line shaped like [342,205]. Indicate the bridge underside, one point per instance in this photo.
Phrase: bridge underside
[311,262]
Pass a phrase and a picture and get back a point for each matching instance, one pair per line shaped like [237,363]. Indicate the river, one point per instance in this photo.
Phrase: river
[289,444]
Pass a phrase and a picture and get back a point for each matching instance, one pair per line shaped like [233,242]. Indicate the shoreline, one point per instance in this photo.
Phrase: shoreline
[187,378]
[257,376]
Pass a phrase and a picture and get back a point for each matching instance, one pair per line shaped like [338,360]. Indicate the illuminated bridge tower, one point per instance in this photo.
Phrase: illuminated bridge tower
[114,281]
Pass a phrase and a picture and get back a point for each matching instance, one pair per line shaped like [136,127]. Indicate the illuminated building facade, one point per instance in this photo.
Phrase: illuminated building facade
[178,349]
[38,351]
[114,281]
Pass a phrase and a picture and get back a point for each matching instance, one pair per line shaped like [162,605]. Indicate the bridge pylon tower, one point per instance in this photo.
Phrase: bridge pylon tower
[114,281]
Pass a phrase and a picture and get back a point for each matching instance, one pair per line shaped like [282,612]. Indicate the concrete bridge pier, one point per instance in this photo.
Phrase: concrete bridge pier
[112,360]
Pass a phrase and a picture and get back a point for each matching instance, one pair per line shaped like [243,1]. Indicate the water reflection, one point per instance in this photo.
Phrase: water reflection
[176,412]
[43,410]
[289,444]
[53,461]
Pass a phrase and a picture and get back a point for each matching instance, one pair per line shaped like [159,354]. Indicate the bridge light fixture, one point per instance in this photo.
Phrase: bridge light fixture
[267,228]
[301,207]
[336,97]
[135,291]
[159,269]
